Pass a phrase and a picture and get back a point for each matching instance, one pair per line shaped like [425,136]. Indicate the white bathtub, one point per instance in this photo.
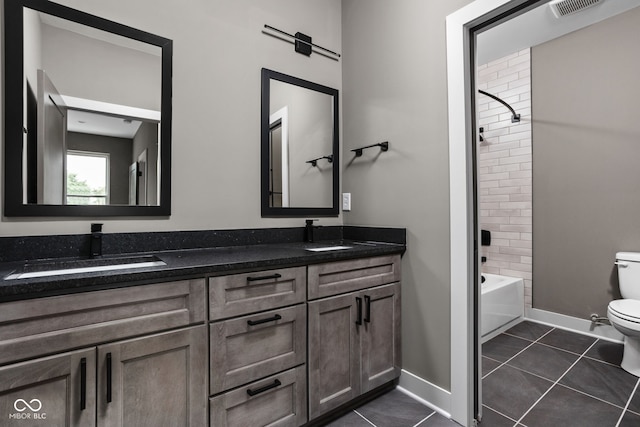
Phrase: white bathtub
[501,304]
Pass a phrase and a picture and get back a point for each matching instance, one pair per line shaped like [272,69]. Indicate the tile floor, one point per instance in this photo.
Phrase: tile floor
[535,375]
[393,409]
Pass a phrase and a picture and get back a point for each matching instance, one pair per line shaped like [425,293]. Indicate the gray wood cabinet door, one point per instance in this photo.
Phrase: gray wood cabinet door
[156,380]
[51,391]
[381,354]
[334,353]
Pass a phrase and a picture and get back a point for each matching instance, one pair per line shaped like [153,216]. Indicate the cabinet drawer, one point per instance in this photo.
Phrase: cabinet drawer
[240,294]
[276,401]
[251,347]
[346,276]
[48,325]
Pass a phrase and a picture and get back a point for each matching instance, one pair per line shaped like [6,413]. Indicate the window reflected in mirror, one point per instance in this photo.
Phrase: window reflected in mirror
[87,178]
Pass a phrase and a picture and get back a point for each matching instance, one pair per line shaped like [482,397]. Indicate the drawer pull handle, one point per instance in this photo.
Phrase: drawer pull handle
[256,278]
[261,321]
[275,384]
[359,311]
[83,383]
[108,377]
[367,311]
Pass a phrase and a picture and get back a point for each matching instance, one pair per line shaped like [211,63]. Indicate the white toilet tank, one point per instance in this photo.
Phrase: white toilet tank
[629,274]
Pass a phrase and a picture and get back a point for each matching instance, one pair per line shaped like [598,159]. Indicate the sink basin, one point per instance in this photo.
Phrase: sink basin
[77,266]
[328,248]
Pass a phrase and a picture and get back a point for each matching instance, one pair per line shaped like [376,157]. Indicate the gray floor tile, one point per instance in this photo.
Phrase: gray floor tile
[437,420]
[566,340]
[601,380]
[568,408]
[630,420]
[634,405]
[488,365]
[547,362]
[607,351]
[529,330]
[511,391]
[350,420]
[491,418]
[503,347]
[406,411]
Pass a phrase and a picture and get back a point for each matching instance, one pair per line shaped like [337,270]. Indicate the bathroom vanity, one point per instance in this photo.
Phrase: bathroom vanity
[232,336]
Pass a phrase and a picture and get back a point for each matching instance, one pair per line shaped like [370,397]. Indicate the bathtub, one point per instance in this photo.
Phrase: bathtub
[501,304]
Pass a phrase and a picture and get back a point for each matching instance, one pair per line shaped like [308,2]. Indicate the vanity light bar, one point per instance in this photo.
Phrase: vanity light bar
[303,43]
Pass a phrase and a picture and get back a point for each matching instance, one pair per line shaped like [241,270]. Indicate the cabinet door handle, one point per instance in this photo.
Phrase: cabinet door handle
[274,384]
[255,278]
[268,319]
[359,311]
[83,383]
[367,309]
[108,377]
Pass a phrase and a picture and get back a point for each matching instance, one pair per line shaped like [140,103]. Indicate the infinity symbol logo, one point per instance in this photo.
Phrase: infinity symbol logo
[24,405]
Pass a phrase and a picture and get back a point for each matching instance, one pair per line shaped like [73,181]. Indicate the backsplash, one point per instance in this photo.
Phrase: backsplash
[77,245]
[505,183]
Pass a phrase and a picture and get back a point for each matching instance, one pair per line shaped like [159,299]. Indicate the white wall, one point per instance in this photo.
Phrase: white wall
[32,48]
[219,50]
[89,68]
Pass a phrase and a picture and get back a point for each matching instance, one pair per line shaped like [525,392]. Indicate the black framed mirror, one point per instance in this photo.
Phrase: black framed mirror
[299,147]
[87,115]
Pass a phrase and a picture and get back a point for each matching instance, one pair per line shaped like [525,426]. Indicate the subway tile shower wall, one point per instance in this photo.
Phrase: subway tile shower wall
[504,169]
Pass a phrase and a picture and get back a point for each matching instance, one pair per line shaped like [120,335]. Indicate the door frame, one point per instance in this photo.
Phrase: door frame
[464,234]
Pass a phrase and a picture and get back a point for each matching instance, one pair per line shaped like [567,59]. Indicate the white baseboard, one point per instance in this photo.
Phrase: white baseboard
[574,324]
[429,394]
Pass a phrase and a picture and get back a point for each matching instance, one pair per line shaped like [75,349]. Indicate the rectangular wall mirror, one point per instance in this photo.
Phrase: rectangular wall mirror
[87,115]
[300,148]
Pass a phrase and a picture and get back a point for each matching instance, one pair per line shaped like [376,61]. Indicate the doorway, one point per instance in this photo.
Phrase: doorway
[464,29]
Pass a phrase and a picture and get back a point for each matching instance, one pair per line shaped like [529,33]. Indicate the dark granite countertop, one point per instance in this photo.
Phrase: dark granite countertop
[188,263]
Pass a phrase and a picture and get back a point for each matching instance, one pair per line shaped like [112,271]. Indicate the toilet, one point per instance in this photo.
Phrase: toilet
[624,314]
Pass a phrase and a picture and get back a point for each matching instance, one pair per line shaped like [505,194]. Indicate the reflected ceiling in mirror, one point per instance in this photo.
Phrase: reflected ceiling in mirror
[82,88]
[300,168]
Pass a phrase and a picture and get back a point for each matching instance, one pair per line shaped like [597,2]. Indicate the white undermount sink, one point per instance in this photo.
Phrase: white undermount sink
[59,268]
[328,248]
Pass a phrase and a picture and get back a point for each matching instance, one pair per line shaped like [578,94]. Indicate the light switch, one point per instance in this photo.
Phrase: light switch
[346,201]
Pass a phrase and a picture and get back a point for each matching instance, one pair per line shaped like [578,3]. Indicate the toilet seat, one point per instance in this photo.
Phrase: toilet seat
[626,309]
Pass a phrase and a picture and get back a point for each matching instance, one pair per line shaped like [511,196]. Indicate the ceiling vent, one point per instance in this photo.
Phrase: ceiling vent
[562,8]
